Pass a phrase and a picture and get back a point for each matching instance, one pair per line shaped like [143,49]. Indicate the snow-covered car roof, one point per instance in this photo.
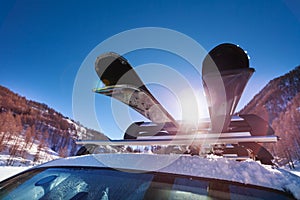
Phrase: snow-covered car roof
[248,172]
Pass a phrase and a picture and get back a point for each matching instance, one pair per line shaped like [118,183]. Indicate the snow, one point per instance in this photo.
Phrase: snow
[297,173]
[296,170]
[249,171]
[45,154]
[8,171]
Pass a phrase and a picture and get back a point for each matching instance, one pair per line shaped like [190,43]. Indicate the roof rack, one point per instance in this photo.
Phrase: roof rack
[226,65]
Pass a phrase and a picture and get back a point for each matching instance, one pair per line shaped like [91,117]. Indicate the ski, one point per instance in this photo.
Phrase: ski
[225,73]
[140,100]
[123,83]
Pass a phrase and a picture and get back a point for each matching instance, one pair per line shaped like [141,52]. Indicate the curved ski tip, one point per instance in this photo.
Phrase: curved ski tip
[109,57]
[105,60]
[109,54]
[225,56]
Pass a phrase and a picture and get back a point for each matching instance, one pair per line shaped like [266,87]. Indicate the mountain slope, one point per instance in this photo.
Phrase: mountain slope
[275,96]
[31,132]
[279,103]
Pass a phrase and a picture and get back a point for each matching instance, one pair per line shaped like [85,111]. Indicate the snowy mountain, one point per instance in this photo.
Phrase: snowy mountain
[279,103]
[32,133]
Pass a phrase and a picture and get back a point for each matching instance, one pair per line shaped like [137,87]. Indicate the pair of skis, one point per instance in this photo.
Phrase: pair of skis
[226,63]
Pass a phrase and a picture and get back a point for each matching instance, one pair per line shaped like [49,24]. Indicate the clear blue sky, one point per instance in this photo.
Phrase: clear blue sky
[43,43]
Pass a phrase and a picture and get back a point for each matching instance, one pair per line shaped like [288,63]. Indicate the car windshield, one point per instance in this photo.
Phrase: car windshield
[104,184]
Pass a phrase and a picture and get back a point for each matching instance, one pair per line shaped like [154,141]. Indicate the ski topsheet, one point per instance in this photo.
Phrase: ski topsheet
[138,99]
[123,84]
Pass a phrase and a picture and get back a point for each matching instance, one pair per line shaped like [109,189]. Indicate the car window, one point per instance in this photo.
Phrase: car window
[76,183]
[104,184]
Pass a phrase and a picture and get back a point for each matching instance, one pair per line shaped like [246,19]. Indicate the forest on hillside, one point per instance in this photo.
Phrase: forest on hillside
[279,104]
[31,131]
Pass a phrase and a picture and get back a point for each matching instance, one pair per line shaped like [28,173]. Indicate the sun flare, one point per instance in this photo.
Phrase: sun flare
[193,106]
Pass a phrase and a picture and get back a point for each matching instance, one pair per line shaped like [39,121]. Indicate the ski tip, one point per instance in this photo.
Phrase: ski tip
[110,67]
[225,56]
[107,59]
[111,54]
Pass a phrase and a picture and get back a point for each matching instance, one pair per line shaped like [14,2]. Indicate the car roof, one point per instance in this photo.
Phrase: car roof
[248,172]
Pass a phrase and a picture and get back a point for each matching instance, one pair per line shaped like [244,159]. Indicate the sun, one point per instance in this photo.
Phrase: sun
[193,105]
